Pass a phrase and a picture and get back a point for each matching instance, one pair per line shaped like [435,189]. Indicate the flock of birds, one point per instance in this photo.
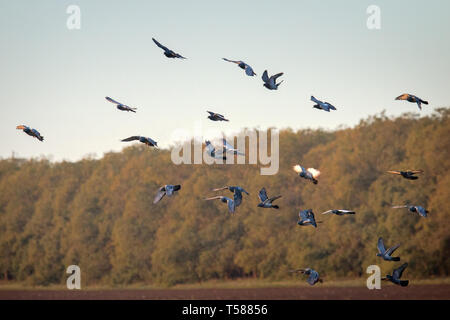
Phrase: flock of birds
[306,217]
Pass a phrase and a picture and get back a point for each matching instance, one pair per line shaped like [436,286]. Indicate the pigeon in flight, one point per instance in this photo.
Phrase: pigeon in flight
[339,212]
[243,65]
[310,173]
[237,196]
[270,83]
[167,52]
[396,275]
[412,98]
[229,148]
[216,116]
[410,174]
[230,202]
[322,105]
[313,278]
[168,190]
[121,106]
[148,141]
[386,254]
[31,132]
[420,210]
[213,153]
[266,202]
[307,218]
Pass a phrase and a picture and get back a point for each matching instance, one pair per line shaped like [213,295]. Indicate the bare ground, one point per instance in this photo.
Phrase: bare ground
[417,292]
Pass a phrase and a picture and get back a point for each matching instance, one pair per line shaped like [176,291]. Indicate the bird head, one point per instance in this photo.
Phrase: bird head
[21,127]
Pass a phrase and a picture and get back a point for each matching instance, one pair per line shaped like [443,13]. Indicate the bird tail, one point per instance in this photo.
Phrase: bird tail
[424,102]
[41,138]
[396,259]
[315,181]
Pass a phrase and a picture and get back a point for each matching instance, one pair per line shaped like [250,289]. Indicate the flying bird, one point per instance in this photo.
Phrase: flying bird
[420,210]
[310,173]
[228,148]
[313,278]
[339,212]
[396,275]
[148,141]
[266,202]
[243,65]
[322,105]
[213,153]
[386,253]
[412,98]
[237,193]
[121,106]
[307,218]
[167,52]
[216,116]
[410,174]
[31,132]
[230,202]
[168,190]
[270,83]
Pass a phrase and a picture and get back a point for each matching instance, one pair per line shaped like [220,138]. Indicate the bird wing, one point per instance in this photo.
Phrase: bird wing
[213,198]
[210,147]
[326,212]
[159,195]
[231,205]
[160,45]
[112,100]
[399,271]
[228,146]
[392,249]
[398,207]
[315,173]
[210,112]
[132,138]
[265,77]
[262,194]
[180,56]
[298,168]
[393,172]
[234,61]
[275,198]
[347,211]
[298,270]
[402,97]
[380,246]
[275,76]
[218,189]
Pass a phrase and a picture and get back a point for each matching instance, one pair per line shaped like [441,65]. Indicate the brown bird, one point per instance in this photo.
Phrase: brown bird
[412,98]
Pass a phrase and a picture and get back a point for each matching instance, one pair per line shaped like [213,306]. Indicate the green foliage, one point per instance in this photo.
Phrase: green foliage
[99,214]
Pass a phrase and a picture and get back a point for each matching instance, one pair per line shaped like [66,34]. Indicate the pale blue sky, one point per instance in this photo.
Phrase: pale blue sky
[55,80]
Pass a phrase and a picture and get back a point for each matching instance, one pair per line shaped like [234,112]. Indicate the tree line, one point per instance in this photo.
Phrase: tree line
[99,215]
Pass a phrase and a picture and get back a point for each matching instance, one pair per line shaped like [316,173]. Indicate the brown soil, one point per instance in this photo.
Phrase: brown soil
[441,292]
